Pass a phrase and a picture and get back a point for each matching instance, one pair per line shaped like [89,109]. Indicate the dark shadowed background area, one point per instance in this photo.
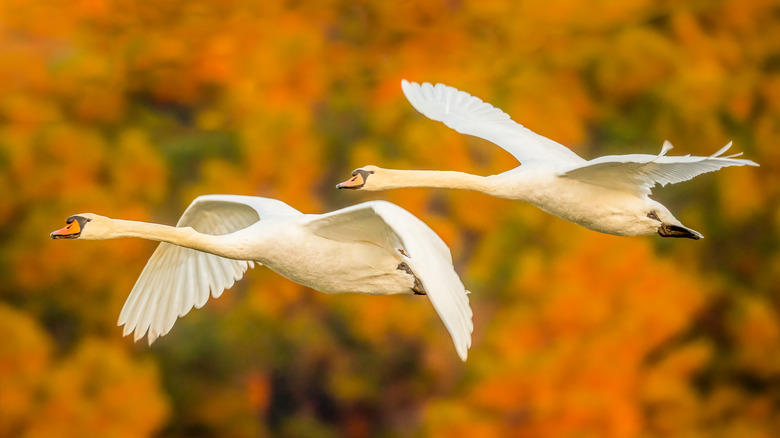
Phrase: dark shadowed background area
[132,109]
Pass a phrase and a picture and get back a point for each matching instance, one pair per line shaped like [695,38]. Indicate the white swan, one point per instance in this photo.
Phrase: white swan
[609,194]
[373,248]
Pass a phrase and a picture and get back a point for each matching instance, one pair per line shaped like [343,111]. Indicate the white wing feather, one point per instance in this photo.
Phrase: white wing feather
[427,255]
[467,114]
[176,279]
[638,173]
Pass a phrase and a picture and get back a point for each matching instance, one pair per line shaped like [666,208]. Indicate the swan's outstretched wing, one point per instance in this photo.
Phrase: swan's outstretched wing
[470,115]
[176,279]
[638,173]
[394,228]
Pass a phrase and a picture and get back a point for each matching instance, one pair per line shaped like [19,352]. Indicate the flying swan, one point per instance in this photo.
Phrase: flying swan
[609,194]
[374,248]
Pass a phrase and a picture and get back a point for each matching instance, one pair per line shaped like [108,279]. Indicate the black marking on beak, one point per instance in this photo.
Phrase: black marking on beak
[80,221]
[357,175]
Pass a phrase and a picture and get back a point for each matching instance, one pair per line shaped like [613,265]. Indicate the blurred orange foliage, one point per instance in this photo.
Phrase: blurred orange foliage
[132,109]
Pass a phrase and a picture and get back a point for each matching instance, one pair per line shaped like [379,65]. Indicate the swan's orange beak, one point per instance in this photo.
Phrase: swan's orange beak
[358,180]
[355,182]
[70,231]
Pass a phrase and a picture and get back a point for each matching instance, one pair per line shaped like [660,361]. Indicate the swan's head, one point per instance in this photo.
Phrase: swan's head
[360,179]
[83,226]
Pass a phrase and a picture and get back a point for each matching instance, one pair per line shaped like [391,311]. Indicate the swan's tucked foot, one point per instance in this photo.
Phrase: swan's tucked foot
[418,287]
[666,230]
[678,231]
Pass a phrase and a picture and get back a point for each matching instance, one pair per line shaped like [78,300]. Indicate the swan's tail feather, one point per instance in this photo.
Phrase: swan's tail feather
[666,148]
[721,151]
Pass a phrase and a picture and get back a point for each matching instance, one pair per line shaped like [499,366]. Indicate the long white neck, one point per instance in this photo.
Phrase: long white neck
[385,179]
[182,236]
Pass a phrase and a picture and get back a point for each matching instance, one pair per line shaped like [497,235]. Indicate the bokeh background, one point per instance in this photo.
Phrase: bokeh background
[132,109]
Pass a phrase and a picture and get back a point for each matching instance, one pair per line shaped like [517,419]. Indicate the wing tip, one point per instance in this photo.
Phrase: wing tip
[409,86]
[462,347]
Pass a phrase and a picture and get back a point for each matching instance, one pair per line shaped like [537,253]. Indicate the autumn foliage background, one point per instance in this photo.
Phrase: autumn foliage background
[132,109]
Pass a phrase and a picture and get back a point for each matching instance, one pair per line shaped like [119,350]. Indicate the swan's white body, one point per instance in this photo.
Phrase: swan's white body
[609,194]
[373,248]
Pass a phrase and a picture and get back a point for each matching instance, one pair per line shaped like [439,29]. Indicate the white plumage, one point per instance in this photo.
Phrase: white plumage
[374,248]
[609,194]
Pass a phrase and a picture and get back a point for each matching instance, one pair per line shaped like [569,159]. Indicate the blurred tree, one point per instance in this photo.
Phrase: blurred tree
[96,391]
[132,109]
